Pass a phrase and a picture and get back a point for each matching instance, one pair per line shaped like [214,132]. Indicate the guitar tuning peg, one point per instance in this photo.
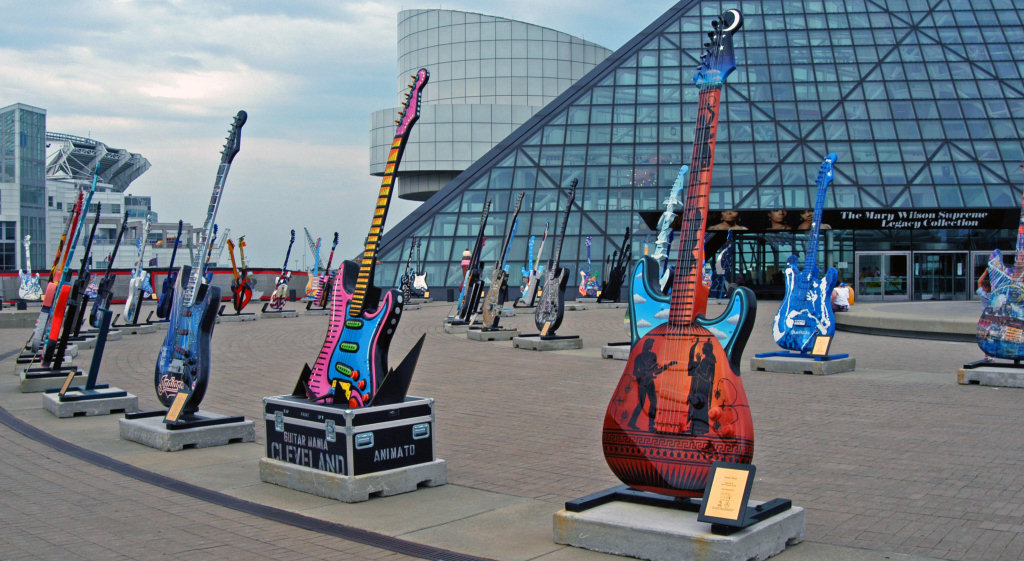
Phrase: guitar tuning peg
[715,23]
[397,121]
[711,35]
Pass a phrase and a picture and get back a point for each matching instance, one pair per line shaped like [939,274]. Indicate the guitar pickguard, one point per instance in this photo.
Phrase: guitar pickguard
[806,309]
[1000,331]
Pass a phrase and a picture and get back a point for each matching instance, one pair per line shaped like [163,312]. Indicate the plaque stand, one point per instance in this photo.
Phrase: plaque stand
[319,311]
[93,398]
[992,372]
[136,328]
[538,342]
[191,430]
[477,333]
[271,314]
[237,316]
[624,521]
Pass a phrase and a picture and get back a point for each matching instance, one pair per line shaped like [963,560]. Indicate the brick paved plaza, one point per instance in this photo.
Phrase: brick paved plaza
[892,461]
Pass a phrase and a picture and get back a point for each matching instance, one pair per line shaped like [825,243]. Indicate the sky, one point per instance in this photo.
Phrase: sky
[165,78]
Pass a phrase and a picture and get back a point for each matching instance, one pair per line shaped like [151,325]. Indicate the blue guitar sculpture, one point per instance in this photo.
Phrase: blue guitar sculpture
[806,310]
[184,359]
[1001,326]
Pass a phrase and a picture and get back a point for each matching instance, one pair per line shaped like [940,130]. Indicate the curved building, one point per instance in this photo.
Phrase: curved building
[488,76]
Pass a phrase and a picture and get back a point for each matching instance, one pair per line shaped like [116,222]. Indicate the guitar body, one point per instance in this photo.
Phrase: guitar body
[184,358]
[667,423]
[472,302]
[358,363]
[806,309]
[280,294]
[29,289]
[1001,326]
[612,288]
[134,301]
[319,384]
[649,308]
[551,308]
[241,292]
[493,301]
[166,301]
[104,293]
[419,285]
[530,293]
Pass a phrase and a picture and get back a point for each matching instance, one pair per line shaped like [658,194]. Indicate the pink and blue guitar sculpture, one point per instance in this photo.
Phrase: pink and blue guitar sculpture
[806,310]
[352,365]
[649,304]
[1001,326]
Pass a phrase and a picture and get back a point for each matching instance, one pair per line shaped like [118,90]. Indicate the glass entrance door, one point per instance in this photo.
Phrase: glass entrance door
[883,276]
[941,275]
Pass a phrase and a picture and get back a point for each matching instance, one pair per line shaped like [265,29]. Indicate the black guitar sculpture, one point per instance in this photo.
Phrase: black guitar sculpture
[619,263]
[551,307]
[280,294]
[163,305]
[471,284]
[405,285]
[105,288]
[184,359]
[327,280]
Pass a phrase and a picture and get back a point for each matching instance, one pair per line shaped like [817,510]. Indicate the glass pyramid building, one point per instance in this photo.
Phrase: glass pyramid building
[918,98]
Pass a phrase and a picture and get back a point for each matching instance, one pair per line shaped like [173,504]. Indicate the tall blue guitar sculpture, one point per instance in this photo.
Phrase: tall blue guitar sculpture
[184,359]
[806,310]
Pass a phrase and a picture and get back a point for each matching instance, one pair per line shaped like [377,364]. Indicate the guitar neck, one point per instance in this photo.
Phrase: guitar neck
[369,260]
[206,246]
[690,262]
[174,252]
[811,258]
[556,258]
[1019,261]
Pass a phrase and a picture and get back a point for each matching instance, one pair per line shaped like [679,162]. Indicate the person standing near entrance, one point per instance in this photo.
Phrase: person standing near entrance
[842,297]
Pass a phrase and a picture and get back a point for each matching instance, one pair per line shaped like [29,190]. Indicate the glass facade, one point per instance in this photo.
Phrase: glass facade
[917,99]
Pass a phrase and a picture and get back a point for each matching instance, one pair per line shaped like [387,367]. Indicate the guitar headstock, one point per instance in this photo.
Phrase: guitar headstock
[519,202]
[677,188]
[411,107]
[487,209]
[292,239]
[572,192]
[590,240]
[825,174]
[334,244]
[234,140]
[719,59]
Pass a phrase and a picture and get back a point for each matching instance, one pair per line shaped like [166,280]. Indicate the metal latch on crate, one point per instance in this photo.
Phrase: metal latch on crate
[332,434]
[421,431]
[364,440]
[279,421]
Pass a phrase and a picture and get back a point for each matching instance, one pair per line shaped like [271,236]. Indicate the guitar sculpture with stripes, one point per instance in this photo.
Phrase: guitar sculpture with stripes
[531,279]
[588,282]
[184,359]
[1000,331]
[166,300]
[105,288]
[494,300]
[352,367]
[29,289]
[136,286]
[313,275]
[806,309]
[680,404]
[551,307]
[280,294]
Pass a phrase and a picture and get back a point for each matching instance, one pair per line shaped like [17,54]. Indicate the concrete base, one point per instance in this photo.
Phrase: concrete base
[456,327]
[662,534]
[508,312]
[417,300]
[574,307]
[140,329]
[27,357]
[87,343]
[273,314]
[32,382]
[606,305]
[353,489]
[411,307]
[617,351]
[1000,376]
[586,300]
[492,334]
[92,406]
[152,432]
[536,343]
[799,365]
[238,317]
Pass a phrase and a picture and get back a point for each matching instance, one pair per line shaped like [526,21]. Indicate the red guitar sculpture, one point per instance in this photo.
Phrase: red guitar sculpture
[680,404]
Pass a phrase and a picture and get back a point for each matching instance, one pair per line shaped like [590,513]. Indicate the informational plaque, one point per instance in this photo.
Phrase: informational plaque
[726,494]
[821,345]
[67,383]
[174,411]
